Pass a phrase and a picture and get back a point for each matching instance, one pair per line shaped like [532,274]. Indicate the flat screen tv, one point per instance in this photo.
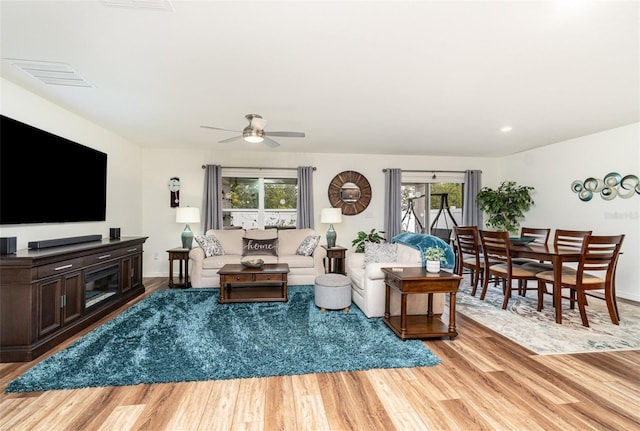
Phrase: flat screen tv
[45,178]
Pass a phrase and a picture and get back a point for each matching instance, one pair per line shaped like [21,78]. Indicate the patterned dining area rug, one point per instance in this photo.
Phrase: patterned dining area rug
[537,331]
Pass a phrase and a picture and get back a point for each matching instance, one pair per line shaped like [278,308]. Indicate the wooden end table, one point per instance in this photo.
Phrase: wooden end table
[239,283]
[413,280]
[335,259]
[182,256]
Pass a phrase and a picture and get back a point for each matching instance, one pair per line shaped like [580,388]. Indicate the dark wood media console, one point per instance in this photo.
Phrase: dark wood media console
[47,295]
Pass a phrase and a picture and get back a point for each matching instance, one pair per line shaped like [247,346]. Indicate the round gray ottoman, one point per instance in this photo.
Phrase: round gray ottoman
[333,292]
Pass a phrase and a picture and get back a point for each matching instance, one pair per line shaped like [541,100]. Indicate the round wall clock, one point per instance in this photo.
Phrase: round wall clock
[350,191]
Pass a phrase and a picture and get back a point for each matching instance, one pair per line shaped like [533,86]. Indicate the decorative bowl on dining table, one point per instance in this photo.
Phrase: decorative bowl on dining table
[521,241]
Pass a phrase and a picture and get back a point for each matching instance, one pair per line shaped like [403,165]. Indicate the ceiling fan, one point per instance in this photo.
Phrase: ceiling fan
[255,132]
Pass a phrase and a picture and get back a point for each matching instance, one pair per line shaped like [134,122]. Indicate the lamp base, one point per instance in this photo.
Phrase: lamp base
[187,238]
[331,237]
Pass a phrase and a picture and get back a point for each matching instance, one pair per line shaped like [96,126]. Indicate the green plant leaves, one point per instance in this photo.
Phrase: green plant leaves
[363,237]
[505,205]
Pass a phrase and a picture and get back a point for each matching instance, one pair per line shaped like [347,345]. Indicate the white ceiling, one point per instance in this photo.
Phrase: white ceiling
[421,77]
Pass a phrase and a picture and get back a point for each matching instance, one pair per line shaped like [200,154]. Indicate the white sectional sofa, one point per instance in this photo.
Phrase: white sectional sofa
[303,269]
[368,289]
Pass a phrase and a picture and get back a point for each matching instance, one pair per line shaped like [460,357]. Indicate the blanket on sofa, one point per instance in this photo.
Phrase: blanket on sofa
[422,241]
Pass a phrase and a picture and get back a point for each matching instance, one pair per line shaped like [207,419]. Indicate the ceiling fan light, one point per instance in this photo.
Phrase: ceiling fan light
[254,139]
[252,135]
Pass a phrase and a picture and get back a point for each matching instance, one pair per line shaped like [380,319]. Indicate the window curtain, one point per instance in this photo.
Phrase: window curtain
[212,198]
[393,203]
[471,214]
[304,219]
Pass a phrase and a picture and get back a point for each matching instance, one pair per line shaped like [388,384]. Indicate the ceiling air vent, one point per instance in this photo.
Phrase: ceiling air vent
[141,4]
[51,73]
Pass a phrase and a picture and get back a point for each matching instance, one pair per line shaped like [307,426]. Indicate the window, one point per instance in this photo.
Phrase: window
[441,194]
[261,201]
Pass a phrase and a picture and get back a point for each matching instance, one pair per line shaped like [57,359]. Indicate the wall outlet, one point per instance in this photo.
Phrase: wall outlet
[155,256]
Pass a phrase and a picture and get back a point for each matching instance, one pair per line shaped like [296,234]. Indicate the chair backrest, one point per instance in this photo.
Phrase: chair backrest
[467,243]
[600,255]
[495,246]
[467,239]
[540,235]
[570,238]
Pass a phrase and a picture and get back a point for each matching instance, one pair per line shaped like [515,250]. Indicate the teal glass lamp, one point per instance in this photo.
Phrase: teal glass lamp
[331,216]
[187,215]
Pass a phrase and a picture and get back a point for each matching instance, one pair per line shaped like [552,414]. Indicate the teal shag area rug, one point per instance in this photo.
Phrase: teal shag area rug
[185,335]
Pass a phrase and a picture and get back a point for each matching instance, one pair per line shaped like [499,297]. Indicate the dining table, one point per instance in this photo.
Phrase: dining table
[558,256]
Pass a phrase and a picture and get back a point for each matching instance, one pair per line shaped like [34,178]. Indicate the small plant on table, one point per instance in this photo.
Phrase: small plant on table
[435,254]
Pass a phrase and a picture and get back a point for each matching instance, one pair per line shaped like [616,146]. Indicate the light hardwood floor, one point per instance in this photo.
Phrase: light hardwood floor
[485,382]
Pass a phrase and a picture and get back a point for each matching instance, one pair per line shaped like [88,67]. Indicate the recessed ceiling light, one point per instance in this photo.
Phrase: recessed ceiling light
[506,129]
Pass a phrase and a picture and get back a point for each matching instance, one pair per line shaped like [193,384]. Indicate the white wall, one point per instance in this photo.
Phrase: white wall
[160,165]
[553,168]
[124,179]
[138,198]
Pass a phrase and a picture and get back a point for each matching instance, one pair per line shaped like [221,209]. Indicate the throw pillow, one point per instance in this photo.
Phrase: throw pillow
[308,245]
[374,252]
[252,247]
[210,244]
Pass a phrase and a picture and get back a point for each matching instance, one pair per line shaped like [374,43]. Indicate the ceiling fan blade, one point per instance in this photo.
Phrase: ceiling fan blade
[286,134]
[270,142]
[218,128]
[235,138]
[258,123]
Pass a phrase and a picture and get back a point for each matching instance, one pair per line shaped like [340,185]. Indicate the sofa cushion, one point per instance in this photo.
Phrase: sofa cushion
[230,239]
[210,244]
[308,245]
[297,261]
[217,262]
[261,233]
[290,239]
[384,252]
[253,247]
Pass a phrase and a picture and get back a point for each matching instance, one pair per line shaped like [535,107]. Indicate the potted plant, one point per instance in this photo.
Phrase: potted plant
[363,237]
[434,256]
[505,205]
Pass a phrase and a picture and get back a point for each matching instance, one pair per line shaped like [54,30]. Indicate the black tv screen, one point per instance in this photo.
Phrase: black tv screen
[45,178]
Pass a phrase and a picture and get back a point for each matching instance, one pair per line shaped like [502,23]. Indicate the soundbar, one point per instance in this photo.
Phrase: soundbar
[35,245]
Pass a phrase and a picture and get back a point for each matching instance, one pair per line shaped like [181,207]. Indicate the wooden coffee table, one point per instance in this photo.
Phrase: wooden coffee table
[411,280]
[241,284]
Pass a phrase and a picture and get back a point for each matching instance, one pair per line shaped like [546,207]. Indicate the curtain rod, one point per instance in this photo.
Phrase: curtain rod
[255,167]
[429,170]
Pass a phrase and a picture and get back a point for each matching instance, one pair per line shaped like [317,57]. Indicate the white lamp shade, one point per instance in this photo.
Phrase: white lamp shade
[331,215]
[187,215]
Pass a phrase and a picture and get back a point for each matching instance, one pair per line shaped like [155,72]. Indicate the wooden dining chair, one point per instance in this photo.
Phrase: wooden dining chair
[539,235]
[496,248]
[596,271]
[562,238]
[467,242]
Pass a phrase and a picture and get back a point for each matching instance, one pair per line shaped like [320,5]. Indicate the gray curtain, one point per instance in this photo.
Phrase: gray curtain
[212,198]
[393,203]
[471,214]
[304,219]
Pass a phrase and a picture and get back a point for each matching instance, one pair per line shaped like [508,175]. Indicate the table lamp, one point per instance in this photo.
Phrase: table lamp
[331,216]
[187,215]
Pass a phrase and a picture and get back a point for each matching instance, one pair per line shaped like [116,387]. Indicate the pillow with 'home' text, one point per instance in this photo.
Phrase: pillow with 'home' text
[252,247]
